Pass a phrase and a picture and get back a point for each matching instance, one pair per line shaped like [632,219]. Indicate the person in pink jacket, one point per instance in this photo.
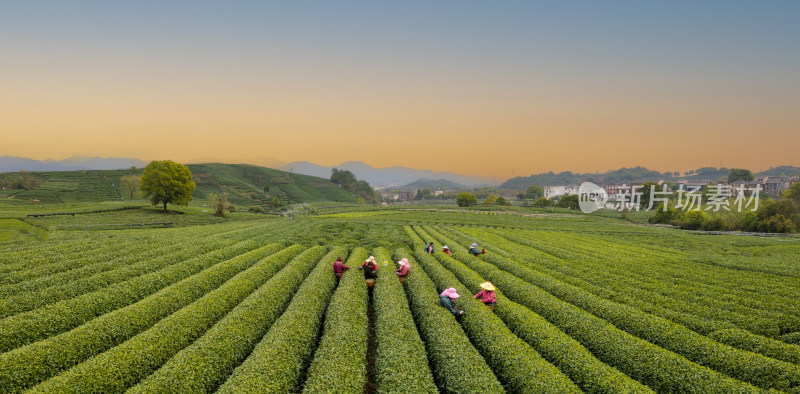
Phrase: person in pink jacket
[446,299]
[403,271]
[446,250]
[487,295]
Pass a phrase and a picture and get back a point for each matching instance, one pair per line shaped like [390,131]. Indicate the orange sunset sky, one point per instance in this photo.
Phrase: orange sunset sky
[476,88]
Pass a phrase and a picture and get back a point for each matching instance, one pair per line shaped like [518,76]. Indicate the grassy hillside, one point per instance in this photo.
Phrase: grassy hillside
[246,185]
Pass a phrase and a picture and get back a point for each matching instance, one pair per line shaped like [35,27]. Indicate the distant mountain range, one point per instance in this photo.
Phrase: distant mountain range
[385,177]
[15,164]
[432,184]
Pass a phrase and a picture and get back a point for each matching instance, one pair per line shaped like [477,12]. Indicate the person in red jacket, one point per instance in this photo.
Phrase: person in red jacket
[403,271]
[487,295]
[370,268]
[339,268]
[446,250]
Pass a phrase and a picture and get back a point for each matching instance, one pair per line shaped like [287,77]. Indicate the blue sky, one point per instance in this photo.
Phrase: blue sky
[562,79]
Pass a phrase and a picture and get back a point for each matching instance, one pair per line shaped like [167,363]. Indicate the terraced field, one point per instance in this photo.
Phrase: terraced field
[585,304]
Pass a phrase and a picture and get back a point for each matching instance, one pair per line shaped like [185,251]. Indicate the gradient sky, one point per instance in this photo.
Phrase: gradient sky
[481,88]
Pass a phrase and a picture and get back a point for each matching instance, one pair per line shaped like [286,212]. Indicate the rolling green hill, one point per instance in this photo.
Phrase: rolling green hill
[245,184]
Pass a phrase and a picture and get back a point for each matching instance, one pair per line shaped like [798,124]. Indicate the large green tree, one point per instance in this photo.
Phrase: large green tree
[466,199]
[534,192]
[166,182]
[742,174]
[570,201]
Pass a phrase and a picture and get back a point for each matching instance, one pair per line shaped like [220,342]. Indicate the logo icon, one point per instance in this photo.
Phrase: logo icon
[591,197]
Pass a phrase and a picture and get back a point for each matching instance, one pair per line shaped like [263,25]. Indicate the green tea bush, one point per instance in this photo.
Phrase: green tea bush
[745,340]
[124,365]
[74,284]
[401,365]
[22,367]
[591,374]
[56,318]
[749,367]
[277,362]
[340,362]
[517,365]
[457,366]
[792,338]
[206,363]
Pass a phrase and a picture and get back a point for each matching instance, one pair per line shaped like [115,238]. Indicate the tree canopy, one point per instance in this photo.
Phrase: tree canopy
[466,199]
[348,181]
[740,174]
[534,192]
[570,202]
[793,193]
[130,183]
[167,182]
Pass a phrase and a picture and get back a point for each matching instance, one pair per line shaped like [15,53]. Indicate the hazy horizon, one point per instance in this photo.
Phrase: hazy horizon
[489,90]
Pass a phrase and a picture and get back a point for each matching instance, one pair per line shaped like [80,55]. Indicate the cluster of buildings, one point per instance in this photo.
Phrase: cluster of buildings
[404,195]
[769,185]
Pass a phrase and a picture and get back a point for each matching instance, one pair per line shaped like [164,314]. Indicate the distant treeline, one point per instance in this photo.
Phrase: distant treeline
[631,175]
[348,181]
[23,181]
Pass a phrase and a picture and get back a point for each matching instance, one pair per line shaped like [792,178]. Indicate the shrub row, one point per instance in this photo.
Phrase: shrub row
[732,292]
[746,340]
[124,365]
[457,366]
[591,374]
[715,302]
[792,338]
[43,261]
[24,367]
[749,367]
[207,362]
[518,366]
[340,362]
[56,318]
[660,369]
[28,255]
[98,266]
[401,364]
[77,283]
[71,260]
[278,361]
[693,316]
[575,274]
[757,369]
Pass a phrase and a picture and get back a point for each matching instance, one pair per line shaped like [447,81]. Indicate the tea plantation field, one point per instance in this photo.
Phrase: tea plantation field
[113,299]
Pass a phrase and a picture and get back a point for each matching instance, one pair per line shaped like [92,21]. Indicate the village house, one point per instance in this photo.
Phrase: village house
[558,191]
[775,185]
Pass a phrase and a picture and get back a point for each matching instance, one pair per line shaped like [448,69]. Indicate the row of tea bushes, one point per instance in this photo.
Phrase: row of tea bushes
[518,366]
[278,361]
[206,363]
[23,367]
[340,362]
[125,365]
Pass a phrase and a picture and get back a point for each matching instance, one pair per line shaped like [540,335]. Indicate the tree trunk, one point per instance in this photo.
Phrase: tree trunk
[165,207]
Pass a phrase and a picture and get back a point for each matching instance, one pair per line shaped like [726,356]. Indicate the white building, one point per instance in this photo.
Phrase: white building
[557,191]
